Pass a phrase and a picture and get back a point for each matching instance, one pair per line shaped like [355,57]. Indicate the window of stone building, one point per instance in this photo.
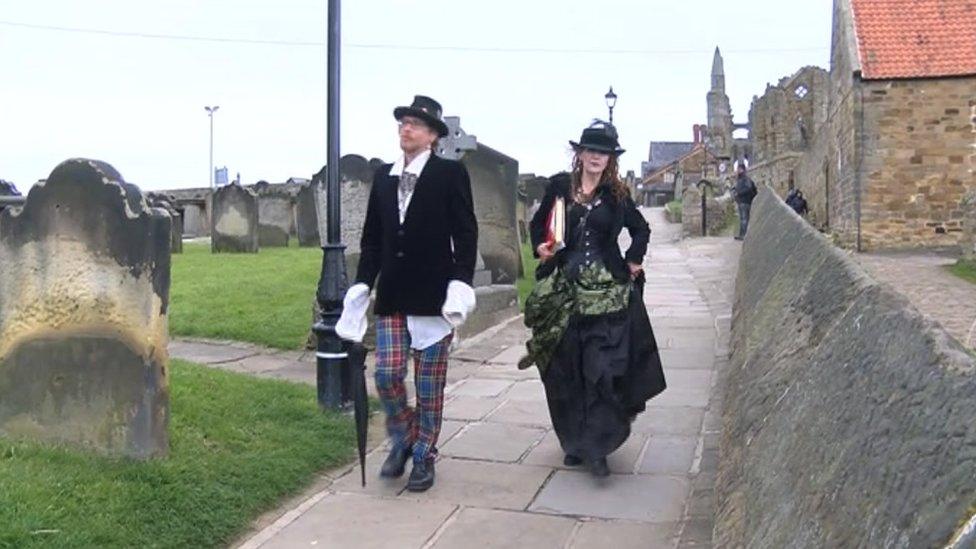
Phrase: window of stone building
[801,91]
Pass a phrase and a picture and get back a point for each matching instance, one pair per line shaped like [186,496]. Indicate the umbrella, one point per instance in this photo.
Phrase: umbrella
[357,379]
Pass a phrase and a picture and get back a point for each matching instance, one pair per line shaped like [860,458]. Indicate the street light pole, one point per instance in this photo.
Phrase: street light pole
[611,101]
[210,113]
[331,356]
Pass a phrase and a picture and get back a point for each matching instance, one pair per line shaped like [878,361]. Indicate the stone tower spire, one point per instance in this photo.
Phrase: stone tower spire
[718,72]
[718,136]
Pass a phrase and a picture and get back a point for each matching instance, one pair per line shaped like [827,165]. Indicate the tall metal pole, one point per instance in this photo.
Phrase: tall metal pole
[330,353]
[210,113]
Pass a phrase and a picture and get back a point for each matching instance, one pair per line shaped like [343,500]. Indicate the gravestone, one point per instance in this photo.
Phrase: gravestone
[274,217]
[84,291]
[176,226]
[306,219]
[234,227]
[356,181]
[494,188]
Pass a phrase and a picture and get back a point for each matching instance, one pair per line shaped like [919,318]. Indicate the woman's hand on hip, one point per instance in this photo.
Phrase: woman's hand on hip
[545,251]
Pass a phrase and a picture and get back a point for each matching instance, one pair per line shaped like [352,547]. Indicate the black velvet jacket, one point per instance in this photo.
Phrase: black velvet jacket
[622,214]
[415,260]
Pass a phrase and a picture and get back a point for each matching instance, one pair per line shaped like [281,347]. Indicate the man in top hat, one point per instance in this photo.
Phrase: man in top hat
[420,239]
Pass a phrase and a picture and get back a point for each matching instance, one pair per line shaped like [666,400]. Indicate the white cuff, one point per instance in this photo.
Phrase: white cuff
[459,303]
[352,323]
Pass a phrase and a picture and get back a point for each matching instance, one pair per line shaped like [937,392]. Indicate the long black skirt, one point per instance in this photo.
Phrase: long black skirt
[603,372]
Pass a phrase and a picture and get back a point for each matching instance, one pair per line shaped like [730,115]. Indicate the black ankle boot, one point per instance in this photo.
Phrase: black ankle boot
[599,467]
[572,461]
[422,476]
[395,462]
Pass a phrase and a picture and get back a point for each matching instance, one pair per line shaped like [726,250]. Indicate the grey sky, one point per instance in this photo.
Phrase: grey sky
[137,102]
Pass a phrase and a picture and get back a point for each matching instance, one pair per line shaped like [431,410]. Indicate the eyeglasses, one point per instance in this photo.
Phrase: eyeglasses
[415,123]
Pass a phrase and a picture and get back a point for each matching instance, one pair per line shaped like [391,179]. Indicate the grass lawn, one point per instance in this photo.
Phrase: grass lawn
[527,281]
[965,270]
[264,298]
[238,445]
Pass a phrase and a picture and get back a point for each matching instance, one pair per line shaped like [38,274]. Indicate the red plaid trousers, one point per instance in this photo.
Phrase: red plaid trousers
[407,426]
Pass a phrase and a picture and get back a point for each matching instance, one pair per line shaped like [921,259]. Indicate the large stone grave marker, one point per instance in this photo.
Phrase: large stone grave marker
[234,225]
[176,226]
[494,186]
[306,219]
[274,215]
[84,291]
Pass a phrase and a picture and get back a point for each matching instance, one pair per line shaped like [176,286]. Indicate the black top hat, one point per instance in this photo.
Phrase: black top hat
[601,137]
[425,109]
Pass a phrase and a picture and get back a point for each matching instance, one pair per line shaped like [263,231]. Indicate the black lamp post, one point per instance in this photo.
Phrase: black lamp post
[330,353]
[611,101]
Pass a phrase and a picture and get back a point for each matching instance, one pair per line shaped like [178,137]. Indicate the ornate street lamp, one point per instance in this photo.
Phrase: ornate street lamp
[330,352]
[611,101]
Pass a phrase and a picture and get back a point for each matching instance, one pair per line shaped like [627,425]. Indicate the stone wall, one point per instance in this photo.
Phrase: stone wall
[968,243]
[84,292]
[718,209]
[777,173]
[848,417]
[919,161]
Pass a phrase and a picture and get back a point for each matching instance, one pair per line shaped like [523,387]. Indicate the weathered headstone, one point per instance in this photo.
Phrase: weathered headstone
[494,186]
[274,217]
[234,227]
[356,181]
[494,182]
[176,227]
[84,291]
[306,219]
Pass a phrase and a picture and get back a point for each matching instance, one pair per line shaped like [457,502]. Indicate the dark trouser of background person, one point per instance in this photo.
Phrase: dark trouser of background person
[744,208]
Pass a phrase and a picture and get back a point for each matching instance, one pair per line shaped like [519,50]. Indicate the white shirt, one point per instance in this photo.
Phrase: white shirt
[424,330]
[415,167]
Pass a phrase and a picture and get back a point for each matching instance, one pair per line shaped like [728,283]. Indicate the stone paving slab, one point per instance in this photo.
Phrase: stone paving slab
[634,497]
[600,534]
[209,353]
[344,520]
[526,390]
[685,388]
[468,408]
[686,420]
[669,455]
[522,412]
[493,442]
[483,484]
[493,529]
[484,388]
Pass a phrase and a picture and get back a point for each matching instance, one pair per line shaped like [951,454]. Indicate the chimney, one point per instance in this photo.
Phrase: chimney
[696,130]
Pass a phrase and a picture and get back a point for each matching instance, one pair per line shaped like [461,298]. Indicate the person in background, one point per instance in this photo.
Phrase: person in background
[745,193]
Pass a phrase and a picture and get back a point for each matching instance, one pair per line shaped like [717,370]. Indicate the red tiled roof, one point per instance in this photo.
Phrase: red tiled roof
[915,38]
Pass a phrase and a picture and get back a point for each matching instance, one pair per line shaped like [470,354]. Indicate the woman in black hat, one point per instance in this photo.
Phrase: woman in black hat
[591,336]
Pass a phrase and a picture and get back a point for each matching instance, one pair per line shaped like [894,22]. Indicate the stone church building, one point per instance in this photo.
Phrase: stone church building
[884,144]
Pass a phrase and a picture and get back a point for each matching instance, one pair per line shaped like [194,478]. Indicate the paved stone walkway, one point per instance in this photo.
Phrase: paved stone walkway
[924,280]
[500,478]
